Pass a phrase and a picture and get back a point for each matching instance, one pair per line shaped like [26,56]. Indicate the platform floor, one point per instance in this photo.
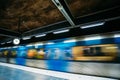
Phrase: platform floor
[17,72]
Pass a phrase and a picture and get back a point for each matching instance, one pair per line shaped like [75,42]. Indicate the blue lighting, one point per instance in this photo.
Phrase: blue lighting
[117,40]
[59,65]
[93,42]
[21,54]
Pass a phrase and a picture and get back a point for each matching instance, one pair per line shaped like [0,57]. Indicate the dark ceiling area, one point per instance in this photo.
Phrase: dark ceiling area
[30,13]
[2,37]
[85,7]
[19,18]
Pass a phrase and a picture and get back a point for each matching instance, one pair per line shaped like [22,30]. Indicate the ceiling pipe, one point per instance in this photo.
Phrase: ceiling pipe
[63,8]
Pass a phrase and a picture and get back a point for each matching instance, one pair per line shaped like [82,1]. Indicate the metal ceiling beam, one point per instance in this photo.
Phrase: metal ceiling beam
[108,27]
[63,8]
[47,29]
[9,33]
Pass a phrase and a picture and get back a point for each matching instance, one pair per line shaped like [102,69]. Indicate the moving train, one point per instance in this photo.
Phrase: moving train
[104,47]
[70,54]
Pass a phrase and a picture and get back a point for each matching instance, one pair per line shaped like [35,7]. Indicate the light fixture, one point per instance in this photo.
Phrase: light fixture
[3,43]
[61,31]
[93,38]
[26,38]
[41,35]
[9,41]
[92,25]
[16,41]
[50,43]
[116,35]
[71,40]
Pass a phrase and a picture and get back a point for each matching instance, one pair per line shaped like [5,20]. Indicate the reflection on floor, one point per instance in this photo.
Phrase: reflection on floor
[16,72]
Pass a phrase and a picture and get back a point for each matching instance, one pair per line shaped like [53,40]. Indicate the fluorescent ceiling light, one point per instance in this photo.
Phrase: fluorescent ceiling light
[116,35]
[68,41]
[93,38]
[26,38]
[61,31]
[50,43]
[92,25]
[41,35]
[2,43]
[9,41]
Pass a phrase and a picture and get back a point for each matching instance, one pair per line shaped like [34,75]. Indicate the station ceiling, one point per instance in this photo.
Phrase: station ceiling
[27,17]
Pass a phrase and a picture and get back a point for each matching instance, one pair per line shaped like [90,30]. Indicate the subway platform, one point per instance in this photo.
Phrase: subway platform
[17,72]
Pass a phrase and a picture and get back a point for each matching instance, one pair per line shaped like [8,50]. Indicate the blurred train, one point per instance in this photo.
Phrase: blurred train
[69,54]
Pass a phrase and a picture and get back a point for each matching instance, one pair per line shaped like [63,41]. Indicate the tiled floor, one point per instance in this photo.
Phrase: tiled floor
[7,73]
[16,72]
